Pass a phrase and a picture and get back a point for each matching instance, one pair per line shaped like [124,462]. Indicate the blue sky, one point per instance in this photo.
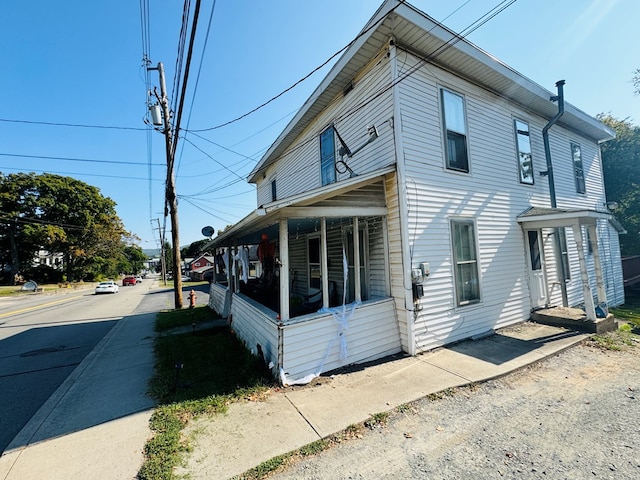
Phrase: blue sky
[80,62]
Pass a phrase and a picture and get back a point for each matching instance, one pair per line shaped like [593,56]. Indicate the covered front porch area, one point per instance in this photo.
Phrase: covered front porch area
[591,314]
[321,299]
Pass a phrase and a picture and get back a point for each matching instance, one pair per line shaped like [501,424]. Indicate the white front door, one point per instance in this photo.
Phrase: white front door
[537,280]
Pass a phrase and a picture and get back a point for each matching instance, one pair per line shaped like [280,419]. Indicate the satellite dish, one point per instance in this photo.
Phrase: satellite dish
[208,231]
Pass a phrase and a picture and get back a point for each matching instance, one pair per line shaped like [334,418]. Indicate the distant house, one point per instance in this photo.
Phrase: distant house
[410,204]
[46,258]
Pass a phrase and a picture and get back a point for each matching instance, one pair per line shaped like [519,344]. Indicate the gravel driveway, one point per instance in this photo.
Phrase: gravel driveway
[573,416]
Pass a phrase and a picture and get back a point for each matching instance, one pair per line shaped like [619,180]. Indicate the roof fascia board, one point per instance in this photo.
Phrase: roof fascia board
[436,29]
[563,219]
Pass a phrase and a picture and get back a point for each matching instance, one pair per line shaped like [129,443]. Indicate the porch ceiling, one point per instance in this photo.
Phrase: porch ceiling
[536,217]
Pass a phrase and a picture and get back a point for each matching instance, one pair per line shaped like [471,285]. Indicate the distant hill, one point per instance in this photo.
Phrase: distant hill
[151,252]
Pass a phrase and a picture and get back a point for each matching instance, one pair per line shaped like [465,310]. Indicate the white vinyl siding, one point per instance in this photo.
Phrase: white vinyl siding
[490,194]
[314,345]
[298,170]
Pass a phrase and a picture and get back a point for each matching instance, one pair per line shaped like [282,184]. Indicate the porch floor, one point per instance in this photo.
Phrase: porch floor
[573,318]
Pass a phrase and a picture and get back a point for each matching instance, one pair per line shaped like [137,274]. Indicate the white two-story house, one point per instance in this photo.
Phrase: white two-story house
[424,194]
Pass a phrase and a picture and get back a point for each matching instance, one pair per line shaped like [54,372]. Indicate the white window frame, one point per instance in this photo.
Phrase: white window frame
[521,152]
[456,262]
[364,262]
[318,264]
[328,161]
[455,130]
[578,167]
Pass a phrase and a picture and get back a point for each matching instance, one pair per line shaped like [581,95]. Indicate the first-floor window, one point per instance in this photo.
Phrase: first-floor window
[361,269]
[465,259]
[315,270]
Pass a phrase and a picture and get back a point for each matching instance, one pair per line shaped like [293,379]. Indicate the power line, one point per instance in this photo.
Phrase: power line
[77,125]
[86,160]
[319,67]
[195,88]
[76,174]
[6,216]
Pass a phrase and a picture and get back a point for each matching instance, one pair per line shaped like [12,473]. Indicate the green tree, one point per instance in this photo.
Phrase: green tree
[195,249]
[19,228]
[620,160]
[61,215]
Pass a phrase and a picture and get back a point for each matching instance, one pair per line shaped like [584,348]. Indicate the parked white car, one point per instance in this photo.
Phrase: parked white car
[107,287]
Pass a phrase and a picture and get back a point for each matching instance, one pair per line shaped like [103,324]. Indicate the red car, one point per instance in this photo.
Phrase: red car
[128,281]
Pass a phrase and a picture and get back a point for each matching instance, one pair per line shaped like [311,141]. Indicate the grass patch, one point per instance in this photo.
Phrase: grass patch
[195,374]
[617,340]
[170,319]
[630,311]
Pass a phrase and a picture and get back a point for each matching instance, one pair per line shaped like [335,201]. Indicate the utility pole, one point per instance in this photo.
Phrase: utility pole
[163,268]
[171,201]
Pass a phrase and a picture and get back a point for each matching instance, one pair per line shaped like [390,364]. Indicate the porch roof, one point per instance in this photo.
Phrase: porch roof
[264,219]
[540,217]
[414,30]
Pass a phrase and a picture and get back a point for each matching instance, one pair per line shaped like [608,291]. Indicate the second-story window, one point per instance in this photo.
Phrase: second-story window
[328,156]
[273,190]
[455,131]
[525,162]
[578,169]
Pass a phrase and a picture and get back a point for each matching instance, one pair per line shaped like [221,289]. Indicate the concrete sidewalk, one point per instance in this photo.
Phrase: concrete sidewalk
[96,425]
[253,432]
[97,422]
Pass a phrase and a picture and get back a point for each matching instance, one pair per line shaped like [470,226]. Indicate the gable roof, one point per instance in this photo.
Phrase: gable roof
[415,30]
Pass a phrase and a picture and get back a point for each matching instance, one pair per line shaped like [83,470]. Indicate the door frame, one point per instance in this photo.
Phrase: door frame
[536,277]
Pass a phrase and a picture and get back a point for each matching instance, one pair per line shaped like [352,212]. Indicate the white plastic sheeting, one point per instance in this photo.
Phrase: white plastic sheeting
[342,315]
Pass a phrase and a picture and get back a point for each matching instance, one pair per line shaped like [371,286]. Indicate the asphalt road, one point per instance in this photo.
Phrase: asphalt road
[43,338]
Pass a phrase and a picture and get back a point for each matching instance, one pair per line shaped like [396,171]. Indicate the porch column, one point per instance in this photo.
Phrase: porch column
[586,289]
[229,266]
[324,263]
[593,240]
[356,260]
[284,270]
[236,276]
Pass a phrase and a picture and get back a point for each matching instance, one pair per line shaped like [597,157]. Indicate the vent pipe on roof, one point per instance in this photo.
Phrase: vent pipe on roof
[552,190]
[545,138]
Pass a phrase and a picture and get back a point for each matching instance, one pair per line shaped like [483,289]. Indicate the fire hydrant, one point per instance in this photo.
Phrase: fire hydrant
[192,298]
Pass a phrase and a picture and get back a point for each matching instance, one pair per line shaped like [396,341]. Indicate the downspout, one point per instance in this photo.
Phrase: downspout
[552,187]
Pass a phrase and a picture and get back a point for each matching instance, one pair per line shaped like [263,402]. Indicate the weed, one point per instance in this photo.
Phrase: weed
[377,419]
[616,341]
[315,447]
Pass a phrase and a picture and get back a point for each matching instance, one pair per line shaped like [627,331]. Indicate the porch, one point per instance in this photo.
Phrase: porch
[593,315]
[322,299]
[574,319]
